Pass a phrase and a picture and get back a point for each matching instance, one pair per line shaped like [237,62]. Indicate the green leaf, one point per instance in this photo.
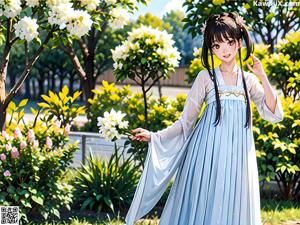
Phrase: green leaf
[56,212]
[143,61]
[37,199]
[98,197]
[109,203]
[283,168]
[269,17]
[32,190]
[23,102]
[26,203]
[11,189]
[86,203]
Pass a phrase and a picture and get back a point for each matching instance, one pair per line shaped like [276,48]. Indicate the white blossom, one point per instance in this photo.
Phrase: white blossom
[52,3]
[26,28]
[10,8]
[110,125]
[79,23]
[120,17]
[32,3]
[90,4]
[58,14]
[161,41]
[120,52]
[110,2]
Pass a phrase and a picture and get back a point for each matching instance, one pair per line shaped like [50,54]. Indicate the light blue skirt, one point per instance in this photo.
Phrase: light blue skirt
[216,180]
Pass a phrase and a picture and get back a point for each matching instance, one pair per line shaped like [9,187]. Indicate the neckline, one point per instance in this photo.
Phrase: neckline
[221,79]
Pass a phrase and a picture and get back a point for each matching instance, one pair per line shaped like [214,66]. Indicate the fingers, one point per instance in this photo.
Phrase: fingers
[254,58]
[249,67]
[139,129]
[139,136]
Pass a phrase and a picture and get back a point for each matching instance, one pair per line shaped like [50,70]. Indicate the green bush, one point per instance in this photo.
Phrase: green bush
[35,155]
[283,66]
[103,186]
[161,112]
[277,148]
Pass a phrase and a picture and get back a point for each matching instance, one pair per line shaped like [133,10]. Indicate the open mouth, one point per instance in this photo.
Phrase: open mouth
[226,56]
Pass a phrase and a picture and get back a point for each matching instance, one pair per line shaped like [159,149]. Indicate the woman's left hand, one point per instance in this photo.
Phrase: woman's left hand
[257,67]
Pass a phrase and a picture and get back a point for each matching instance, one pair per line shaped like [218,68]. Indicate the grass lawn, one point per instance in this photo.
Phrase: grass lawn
[273,213]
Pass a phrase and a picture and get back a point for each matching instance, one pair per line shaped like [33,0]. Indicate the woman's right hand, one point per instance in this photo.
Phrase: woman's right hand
[142,134]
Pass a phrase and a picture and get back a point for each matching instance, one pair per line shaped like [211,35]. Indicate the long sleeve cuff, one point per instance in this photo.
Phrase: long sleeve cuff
[275,117]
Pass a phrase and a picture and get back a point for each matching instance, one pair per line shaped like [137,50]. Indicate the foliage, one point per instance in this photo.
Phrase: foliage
[183,40]
[62,106]
[146,51]
[284,65]
[102,185]
[278,148]
[162,112]
[267,22]
[31,150]
[152,21]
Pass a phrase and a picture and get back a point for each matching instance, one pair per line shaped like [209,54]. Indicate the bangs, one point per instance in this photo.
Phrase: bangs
[222,32]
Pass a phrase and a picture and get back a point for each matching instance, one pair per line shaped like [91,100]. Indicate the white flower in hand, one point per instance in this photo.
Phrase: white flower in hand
[112,125]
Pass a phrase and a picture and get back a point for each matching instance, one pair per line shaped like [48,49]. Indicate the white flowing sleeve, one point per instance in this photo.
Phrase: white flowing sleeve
[258,96]
[164,153]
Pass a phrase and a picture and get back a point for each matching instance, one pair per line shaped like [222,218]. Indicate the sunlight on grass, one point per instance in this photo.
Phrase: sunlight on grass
[278,212]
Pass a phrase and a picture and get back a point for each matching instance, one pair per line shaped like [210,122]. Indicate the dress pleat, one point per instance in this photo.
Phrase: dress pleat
[216,180]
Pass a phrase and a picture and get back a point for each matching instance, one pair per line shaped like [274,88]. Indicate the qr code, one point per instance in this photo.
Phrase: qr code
[9,215]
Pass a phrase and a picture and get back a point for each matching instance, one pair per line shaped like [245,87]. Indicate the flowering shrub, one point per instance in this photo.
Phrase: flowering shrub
[147,53]
[63,14]
[277,148]
[148,49]
[34,156]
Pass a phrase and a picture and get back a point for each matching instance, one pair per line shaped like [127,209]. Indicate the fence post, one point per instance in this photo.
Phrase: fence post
[83,140]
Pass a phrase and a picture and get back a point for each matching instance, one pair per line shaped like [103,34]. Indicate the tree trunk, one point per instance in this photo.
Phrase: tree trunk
[88,86]
[90,83]
[27,88]
[159,88]
[3,74]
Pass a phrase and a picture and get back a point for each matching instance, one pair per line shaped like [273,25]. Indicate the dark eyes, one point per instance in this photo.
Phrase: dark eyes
[230,42]
[216,46]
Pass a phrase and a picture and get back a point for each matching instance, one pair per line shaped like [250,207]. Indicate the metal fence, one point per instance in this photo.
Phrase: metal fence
[91,141]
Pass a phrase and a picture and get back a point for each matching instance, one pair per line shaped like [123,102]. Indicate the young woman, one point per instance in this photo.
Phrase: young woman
[216,180]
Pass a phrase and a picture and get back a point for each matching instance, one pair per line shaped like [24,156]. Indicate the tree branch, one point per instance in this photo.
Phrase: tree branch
[83,47]
[153,83]
[72,55]
[26,71]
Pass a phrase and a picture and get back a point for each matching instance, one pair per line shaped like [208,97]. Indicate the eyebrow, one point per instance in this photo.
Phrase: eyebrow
[215,42]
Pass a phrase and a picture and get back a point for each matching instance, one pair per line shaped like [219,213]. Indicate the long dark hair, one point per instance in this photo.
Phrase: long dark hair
[219,26]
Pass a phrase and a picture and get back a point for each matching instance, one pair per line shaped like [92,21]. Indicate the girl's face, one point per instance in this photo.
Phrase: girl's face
[227,49]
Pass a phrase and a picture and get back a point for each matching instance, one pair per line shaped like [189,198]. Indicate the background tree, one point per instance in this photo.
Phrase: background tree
[147,53]
[113,14]
[23,23]
[183,40]
[269,20]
